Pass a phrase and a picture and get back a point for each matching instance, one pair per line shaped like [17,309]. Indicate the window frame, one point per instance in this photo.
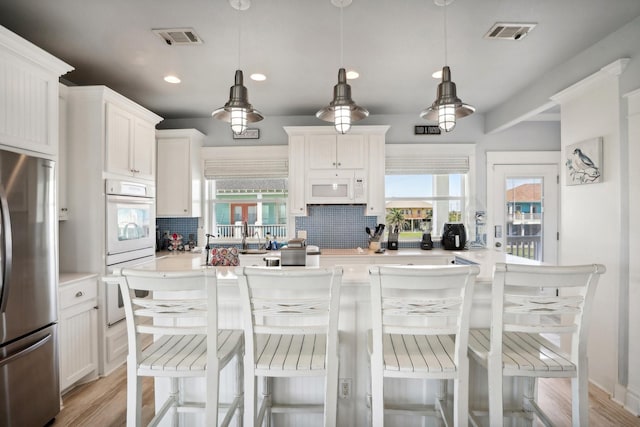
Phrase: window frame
[438,159]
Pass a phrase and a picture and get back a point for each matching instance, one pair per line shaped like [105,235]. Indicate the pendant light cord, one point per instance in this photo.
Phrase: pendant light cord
[239,30]
[341,37]
[445,32]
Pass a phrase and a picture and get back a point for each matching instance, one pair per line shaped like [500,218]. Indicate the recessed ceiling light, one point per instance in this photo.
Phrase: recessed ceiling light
[171,79]
[352,74]
[437,74]
[258,77]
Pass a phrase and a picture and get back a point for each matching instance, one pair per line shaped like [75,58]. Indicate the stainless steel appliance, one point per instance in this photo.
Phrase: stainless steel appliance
[454,236]
[29,383]
[130,234]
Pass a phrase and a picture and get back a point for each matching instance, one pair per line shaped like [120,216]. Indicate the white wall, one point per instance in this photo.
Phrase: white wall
[632,397]
[590,230]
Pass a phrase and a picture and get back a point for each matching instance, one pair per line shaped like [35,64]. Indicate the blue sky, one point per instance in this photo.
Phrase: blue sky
[418,185]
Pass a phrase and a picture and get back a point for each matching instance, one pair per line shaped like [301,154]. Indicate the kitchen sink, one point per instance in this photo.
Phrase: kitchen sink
[252,251]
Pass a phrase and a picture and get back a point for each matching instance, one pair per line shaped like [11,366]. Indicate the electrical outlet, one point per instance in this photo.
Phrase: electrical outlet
[345,388]
[302,234]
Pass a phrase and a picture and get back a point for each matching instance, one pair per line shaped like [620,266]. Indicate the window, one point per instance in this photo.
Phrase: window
[425,201]
[429,185]
[246,184]
[261,203]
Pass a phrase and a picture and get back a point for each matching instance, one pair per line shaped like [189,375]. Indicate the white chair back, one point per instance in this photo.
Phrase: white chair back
[182,309]
[544,299]
[295,302]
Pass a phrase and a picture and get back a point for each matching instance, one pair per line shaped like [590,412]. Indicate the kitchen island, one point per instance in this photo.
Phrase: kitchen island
[355,314]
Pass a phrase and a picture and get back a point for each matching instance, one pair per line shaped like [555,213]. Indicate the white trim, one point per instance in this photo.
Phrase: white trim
[514,158]
[615,68]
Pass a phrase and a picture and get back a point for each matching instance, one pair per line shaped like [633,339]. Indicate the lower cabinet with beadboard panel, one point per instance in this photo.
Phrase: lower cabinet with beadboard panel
[78,328]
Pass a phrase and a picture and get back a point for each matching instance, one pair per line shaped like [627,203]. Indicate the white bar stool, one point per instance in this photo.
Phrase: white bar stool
[420,320]
[291,330]
[184,325]
[530,306]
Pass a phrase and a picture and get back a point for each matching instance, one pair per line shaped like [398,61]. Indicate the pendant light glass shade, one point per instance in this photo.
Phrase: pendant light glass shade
[342,110]
[447,107]
[238,111]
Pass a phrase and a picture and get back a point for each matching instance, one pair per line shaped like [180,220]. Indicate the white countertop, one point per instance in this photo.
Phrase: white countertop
[355,263]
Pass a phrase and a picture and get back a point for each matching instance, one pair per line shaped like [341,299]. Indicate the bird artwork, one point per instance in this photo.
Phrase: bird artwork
[582,168]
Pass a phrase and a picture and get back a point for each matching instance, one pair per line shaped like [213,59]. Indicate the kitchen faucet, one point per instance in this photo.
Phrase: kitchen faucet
[245,231]
[257,234]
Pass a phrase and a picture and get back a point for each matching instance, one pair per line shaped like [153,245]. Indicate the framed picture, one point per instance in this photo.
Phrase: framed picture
[248,134]
[583,163]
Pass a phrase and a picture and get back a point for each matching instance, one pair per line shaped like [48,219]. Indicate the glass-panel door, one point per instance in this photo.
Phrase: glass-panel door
[525,209]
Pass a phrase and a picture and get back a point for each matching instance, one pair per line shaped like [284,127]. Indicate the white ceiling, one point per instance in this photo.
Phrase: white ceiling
[394,44]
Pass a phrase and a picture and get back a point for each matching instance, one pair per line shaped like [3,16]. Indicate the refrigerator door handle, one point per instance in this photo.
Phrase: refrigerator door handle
[26,350]
[6,256]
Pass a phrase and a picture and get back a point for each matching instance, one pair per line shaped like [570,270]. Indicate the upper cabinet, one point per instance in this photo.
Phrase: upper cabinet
[130,143]
[110,132]
[319,158]
[336,151]
[179,177]
[29,101]
[63,210]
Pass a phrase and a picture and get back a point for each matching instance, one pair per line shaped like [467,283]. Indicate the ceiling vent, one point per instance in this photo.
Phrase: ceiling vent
[178,36]
[509,30]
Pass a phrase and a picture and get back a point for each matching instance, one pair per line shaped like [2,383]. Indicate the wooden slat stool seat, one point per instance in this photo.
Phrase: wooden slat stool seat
[530,306]
[181,314]
[420,325]
[291,330]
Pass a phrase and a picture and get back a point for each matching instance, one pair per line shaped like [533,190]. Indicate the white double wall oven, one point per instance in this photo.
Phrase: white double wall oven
[130,234]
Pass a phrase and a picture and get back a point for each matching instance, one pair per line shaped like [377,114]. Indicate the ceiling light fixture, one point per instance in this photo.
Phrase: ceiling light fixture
[238,111]
[447,106]
[342,110]
[172,79]
[258,77]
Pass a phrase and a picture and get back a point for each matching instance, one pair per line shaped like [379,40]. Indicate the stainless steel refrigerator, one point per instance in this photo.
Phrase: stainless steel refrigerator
[29,384]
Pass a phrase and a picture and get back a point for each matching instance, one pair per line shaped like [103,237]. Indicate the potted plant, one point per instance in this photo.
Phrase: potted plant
[395,219]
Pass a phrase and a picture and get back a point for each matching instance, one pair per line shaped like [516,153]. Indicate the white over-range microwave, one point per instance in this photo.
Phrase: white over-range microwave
[336,187]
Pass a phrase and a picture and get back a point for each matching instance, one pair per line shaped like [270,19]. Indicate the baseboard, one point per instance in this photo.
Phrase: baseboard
[629,399]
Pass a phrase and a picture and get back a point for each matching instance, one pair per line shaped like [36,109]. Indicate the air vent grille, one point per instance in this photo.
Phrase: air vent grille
[509,30]
[178,36]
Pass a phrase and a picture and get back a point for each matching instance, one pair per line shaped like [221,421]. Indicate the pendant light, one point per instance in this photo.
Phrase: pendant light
[238,111]
[342,110]
[447,106]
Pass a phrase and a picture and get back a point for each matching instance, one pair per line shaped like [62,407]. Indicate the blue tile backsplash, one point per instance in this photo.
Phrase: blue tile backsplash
[327,226]
[186,226]
[336,226]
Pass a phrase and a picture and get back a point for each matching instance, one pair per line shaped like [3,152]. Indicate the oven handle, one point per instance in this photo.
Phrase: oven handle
[130,199]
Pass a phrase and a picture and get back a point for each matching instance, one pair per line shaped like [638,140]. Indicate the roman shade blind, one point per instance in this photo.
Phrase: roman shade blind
[425,164]
[245,168]
[245,162]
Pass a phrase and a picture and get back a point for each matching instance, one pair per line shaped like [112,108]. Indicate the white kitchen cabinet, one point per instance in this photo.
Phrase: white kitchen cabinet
[179,177]
[313,148]
[29,101]
[334,151]
[82,236]
[130,143]
[375,175]
[63,209]
[78,328]
[296,181]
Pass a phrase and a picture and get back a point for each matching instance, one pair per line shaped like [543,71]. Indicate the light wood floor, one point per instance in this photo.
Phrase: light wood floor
[102,403]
